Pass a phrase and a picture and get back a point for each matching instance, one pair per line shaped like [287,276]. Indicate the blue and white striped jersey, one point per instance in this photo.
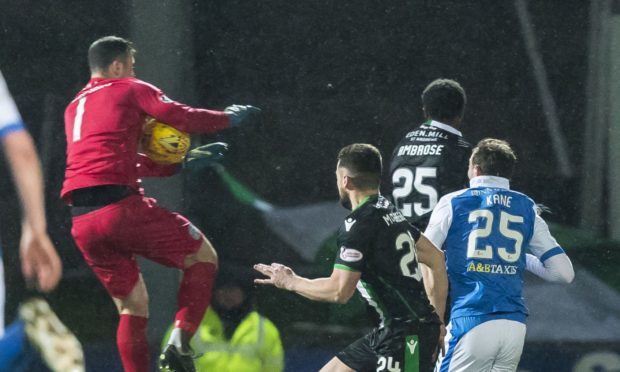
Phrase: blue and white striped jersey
[485,231]
[10,119]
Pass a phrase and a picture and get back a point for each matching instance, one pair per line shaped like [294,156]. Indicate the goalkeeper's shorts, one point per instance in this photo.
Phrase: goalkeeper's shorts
[112,236]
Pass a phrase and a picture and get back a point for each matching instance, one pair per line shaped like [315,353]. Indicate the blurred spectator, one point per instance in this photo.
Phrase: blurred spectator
[233,336]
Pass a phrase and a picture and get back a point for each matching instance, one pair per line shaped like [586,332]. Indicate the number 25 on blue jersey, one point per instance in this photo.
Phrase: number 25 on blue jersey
[486,240]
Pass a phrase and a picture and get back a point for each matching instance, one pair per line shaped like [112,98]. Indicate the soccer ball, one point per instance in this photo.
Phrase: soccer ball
[164,144]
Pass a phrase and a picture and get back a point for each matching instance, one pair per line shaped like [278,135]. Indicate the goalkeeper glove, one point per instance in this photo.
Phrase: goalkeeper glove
[206,155]
[240,114]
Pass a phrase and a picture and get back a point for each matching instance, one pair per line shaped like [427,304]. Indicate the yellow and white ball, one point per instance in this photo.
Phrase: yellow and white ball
[164,144]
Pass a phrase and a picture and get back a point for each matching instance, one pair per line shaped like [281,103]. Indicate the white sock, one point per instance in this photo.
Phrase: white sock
[175,339]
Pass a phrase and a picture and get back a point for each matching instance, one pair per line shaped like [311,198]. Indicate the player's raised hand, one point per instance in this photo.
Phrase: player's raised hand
[241,114]
[39,260]
[278,275]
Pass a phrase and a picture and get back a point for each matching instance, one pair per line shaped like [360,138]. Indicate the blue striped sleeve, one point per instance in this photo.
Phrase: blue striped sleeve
[10,128]
[550,253]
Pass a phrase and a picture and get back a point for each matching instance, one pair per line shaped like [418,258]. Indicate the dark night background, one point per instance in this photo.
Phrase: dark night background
[326,74]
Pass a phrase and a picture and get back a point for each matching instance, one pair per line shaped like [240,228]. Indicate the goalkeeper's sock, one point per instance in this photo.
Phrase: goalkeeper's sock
[132,343]
[194,296]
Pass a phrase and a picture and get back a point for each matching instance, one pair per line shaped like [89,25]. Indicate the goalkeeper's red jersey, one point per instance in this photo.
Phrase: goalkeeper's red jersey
[103,125]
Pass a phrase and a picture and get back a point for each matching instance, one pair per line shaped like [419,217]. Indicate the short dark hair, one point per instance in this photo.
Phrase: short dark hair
[105,50]
[495,157]
[444,99]
[365,163]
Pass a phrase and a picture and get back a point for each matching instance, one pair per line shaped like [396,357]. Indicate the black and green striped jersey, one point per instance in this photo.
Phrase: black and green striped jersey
[428,163]
[376,240]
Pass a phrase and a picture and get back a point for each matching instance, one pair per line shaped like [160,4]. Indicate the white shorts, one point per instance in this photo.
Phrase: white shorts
[495,345]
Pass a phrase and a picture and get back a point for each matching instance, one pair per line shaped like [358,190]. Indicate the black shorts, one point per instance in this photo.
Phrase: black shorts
[406,347]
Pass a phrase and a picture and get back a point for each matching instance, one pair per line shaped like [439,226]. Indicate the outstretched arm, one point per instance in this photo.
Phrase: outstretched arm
[186,118]
[38,255]
[557,268]
[548,260]
[338,288]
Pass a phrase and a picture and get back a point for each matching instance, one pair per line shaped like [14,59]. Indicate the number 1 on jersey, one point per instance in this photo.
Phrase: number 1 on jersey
[77,121]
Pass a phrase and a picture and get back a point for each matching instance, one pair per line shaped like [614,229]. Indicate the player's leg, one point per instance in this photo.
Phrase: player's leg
[512,346]
[409,347]
[358,356]
[335,365]
[171,240]
[136,303]
[193,299]
[428,340]
[103,238]
[195,290]
[475,350]
[131,332]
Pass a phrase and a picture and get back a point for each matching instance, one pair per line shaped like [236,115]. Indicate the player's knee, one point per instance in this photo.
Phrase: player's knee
[138,306]
[335,365]
[136,303]
[206,253]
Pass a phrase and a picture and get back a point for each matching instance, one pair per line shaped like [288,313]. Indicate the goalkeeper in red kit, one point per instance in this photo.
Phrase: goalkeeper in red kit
[113,222]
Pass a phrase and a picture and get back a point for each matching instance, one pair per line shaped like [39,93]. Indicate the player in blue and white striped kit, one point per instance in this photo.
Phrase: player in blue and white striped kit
[40,263]
[485,231]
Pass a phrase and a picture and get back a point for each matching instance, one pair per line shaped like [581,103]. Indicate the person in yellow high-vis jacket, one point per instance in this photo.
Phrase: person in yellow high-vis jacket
[232,335]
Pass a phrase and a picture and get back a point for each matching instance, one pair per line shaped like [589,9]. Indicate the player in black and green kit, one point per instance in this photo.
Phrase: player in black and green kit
[379,252]
[431,160]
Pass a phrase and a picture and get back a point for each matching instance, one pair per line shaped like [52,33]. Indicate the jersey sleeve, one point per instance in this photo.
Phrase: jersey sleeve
[188,119]
[557,268]
[439,223]
[354,245]
[10,119]
[543,245]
